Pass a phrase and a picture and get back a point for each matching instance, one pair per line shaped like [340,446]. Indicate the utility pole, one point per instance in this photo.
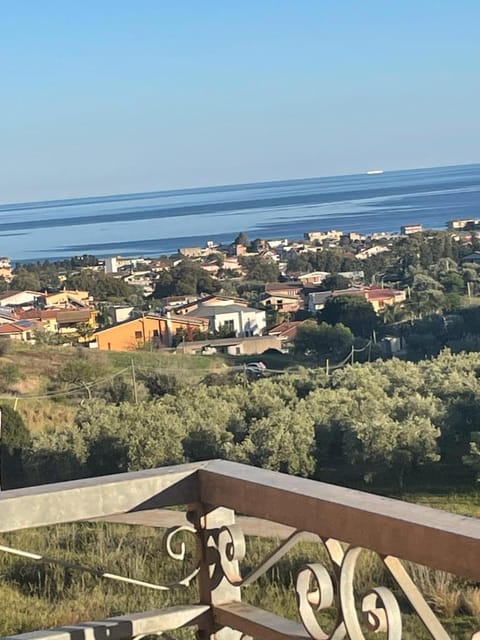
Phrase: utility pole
[134,383]
[352,355]
[327,367]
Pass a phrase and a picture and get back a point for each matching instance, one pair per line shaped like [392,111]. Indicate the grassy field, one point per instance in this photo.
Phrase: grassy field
[38,595]
[36,367]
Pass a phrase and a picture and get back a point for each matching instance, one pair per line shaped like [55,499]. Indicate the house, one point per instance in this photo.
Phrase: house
[317,299]
[281,302]
[408,229]
[120,312]
[191,252]
[7,316]
[19,298]
[231,263]
[320,236]
[63,321]
[210,267]
[381,298]
[22,330]
[371,251]
[236,318]
[463,223]
[378,297]
[233,346]
[313,277]
[291,288]
[286,331]
[156,330]
[6,269]
[67,298]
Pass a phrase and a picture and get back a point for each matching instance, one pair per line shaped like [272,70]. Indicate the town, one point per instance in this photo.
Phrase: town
[242,299]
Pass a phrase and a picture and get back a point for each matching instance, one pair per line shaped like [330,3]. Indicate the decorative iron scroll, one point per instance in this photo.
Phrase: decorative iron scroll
[179,554]
[319,589]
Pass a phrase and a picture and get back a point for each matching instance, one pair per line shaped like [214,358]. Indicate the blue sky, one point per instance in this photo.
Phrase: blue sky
[115,96]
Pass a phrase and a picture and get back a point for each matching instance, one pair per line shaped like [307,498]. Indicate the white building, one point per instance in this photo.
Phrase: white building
[16,298]
[239,319]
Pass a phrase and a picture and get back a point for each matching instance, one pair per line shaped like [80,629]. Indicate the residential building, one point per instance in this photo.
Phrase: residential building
[289,288]
[67,298]
[281,302]
[377,296]
[120,312]
[21,330]
[286,331]
[6,269]
[320,236]
[238,319]
[19,298]
[463,223]
[255,345]
[191,252]
[61,320]
[383,297]
[313,277]
[155,330]
[372,251]
[409,229]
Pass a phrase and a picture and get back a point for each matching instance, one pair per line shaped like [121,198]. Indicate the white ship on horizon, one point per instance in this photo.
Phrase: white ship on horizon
[374,172]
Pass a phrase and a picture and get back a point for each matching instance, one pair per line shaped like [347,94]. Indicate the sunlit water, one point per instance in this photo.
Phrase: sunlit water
[161,222]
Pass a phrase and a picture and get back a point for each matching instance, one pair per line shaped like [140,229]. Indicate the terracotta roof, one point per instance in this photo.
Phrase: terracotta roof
[285,329]
[11,328]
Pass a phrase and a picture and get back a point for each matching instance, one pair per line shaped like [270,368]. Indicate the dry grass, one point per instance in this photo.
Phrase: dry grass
[471,601]
[39,414]
[442,590]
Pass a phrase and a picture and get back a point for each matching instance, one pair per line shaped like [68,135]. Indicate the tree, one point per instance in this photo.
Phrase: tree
[353,311]
[187,278]
[260,269]
[396,312]
[24,280]
[323,340]
[102,286]
[473,458]
[282,441]
[242,238]
[335,282]
[15,439]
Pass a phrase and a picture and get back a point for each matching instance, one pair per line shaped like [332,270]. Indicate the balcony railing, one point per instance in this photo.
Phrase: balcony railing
[399,533]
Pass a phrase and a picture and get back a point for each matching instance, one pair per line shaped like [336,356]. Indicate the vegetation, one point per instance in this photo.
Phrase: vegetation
[391,419]
[36,595]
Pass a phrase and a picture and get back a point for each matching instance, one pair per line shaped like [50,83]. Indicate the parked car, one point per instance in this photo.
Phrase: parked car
[256,369]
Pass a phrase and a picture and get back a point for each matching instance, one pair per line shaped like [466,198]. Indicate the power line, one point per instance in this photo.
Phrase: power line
[67,392]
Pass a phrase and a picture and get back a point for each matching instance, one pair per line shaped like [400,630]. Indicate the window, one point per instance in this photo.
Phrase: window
[138,335]
[229,325]
[155,333]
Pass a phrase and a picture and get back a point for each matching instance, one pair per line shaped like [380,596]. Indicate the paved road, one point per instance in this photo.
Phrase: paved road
[165,518]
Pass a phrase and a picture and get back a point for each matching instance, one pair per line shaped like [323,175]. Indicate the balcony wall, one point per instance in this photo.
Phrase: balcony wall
[346,522]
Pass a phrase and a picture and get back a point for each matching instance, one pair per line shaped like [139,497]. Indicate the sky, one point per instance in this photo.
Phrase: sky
[120,96]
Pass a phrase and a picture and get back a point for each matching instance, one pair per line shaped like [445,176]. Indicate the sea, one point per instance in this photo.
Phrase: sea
[158,223]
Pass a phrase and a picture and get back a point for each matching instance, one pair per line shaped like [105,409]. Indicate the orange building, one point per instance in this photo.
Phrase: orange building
[159,331]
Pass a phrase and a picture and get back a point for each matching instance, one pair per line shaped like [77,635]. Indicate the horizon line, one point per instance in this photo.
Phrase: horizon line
[71,199]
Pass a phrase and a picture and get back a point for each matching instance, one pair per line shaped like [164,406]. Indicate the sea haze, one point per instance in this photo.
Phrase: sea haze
[161,222]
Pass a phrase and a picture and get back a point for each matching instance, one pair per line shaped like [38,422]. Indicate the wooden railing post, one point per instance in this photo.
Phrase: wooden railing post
[214,545]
